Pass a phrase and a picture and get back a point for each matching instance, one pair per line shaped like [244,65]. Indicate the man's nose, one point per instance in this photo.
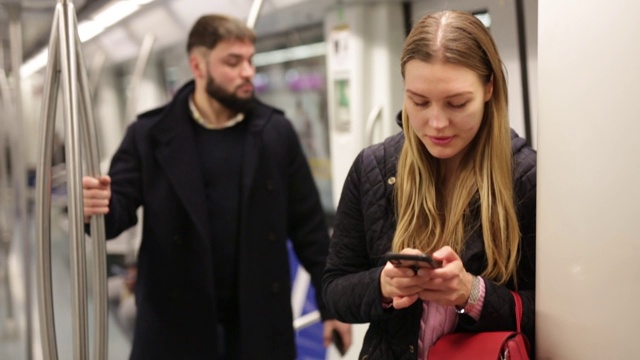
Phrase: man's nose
[248,70]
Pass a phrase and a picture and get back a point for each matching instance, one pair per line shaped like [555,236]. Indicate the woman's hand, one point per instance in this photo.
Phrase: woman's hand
[400,284]
[449,285]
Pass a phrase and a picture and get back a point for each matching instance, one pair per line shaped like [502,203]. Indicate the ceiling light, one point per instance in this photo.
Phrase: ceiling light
[115,12]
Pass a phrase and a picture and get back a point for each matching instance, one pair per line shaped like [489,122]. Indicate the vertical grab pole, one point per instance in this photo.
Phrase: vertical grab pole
[43,194]
[19,167]
[66,61]
[74,187]
[92,159]
[6,231]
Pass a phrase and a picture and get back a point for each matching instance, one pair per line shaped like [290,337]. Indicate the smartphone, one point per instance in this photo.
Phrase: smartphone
[413,261]
[337,341]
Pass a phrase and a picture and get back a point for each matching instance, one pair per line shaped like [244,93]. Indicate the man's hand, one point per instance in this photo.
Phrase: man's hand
[96,193]
[343,329]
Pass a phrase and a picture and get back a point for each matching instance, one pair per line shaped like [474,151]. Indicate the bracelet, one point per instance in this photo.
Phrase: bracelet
[473,296]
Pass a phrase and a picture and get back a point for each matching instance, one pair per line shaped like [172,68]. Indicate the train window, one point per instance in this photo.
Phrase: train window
[483,15]
[291,75]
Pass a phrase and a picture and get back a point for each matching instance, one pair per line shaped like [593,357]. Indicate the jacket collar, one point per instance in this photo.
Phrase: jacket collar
[175,149]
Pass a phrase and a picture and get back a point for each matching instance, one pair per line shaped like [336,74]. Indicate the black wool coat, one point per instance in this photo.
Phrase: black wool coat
[157,167]
[364,229]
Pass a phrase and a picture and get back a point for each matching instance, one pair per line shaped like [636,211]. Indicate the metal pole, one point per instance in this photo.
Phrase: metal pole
[66,61]
[43,194]
[6,231]
[19,168]
[74,186]
[97,65]
[373,117]
[92,159]
[306,320]
[138,74]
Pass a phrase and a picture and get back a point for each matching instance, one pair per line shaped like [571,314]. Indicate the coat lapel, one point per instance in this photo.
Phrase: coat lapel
[253,147]
[178,156]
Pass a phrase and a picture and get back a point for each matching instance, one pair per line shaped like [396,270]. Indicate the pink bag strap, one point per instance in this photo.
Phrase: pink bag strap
[518,302]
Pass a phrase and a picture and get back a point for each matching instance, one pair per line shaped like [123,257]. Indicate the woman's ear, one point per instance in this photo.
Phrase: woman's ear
[488,90]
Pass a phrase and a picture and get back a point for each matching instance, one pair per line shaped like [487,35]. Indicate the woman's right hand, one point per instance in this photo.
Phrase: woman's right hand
[400,284]
[96,193]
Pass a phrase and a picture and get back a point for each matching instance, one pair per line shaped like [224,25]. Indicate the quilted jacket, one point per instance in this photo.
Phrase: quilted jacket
[364,228]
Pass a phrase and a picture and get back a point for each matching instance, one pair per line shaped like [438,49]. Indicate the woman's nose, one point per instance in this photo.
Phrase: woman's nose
[437,119]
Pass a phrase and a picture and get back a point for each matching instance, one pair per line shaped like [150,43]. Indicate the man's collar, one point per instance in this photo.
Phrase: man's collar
[200,120]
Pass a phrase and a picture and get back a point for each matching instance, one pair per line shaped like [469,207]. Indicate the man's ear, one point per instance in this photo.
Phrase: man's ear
[488,90]
[197,64]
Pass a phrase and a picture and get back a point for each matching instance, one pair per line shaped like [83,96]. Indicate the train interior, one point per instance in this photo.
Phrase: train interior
[332,66]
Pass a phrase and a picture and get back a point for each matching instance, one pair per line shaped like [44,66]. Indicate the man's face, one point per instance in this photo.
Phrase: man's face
[229,74]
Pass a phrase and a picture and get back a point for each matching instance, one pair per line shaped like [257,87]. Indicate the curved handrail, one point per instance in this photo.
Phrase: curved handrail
[306,320]
[43,199]
[138,74]
[92,159]
[67,63]
[374,115]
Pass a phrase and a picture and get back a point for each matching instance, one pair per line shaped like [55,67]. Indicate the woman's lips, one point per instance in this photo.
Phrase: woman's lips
[441,140]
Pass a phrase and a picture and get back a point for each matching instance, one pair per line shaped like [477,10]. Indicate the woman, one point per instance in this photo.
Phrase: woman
[456,183]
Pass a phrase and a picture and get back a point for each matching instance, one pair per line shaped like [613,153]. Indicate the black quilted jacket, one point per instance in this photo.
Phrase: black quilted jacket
[364,229]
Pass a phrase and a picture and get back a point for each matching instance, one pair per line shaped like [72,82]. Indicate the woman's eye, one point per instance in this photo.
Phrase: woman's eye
[420,104]
[458,105]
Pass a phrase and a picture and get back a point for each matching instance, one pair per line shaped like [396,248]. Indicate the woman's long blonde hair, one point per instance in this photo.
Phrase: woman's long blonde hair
[484,184]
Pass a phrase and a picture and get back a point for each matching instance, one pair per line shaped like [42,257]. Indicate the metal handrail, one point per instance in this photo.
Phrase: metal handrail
[66,67]
[373,117]
[95,72]
[90,137]
[19,168]
[138,73]
[6,235]
[306,320]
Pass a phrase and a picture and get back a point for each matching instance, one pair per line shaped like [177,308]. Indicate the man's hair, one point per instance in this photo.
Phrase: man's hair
[209,30]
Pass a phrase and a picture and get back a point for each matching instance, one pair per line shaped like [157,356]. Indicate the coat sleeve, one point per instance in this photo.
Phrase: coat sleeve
[126,192]
[351,283]
[498,308]
[307,226]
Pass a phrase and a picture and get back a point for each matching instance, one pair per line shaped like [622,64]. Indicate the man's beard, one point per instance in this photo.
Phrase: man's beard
[228,99]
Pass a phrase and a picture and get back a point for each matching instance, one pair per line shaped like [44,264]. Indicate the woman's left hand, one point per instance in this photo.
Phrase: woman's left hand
[449,285]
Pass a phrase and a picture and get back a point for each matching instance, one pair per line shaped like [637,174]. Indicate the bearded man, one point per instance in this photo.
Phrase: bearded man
[224,185]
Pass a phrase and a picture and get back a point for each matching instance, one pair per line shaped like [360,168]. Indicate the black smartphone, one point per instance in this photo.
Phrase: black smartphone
[413,261]
[337,341]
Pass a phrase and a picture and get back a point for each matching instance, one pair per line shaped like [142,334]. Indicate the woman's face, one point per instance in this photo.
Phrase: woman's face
[445,104]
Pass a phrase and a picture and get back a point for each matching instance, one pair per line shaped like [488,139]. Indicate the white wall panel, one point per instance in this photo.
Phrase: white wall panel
[588,180]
